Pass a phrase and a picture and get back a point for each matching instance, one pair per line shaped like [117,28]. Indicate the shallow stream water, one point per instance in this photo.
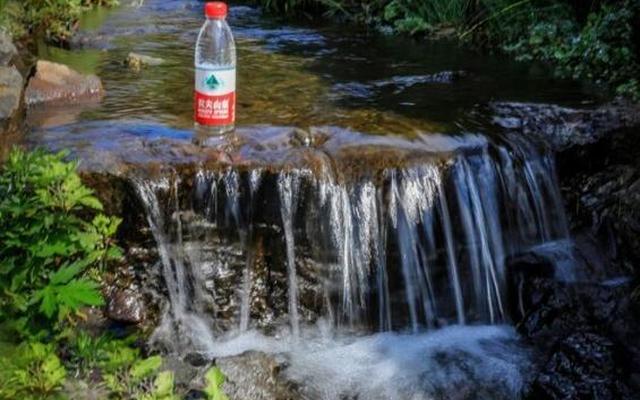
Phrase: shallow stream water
[385,172]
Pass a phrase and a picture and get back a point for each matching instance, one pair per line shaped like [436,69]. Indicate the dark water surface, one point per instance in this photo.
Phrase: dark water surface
[294,75]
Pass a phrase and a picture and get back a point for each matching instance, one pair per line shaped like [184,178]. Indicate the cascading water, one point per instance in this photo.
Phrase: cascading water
[400,248]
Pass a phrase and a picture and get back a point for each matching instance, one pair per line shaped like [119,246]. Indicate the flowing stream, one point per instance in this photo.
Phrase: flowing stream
[360,220]
[399,249]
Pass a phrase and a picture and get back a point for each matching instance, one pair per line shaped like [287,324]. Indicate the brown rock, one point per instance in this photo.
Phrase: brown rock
[125,306]
[57,82]
[137,61]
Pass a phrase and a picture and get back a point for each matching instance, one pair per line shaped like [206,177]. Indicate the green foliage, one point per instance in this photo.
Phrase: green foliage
[47,244]
[214,379]
[53,248]
[601,51]
[595,41]
[411,16]
[31,371]
[56,19]
[162,388]
[125,373]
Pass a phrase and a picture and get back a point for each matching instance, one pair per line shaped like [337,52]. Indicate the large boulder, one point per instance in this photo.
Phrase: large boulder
[7,50]
[586,336]
[11,84]
[58,83]
[601,186]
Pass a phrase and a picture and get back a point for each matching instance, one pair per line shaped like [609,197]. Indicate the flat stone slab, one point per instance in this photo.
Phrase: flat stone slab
[138,147]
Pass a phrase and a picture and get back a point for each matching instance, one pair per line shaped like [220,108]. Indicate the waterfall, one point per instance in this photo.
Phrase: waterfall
[286,188]
[407,247]
[185,314]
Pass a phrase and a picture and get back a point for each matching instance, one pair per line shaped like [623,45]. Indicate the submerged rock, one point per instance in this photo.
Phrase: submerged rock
[90,40]
[11,84]
[58,83]
[136,61]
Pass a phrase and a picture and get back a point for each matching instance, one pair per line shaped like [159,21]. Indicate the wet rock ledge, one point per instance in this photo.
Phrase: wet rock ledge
[587,331]
[598,157]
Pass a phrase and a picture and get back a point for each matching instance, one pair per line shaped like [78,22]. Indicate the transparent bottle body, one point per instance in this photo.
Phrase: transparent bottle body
[215,49]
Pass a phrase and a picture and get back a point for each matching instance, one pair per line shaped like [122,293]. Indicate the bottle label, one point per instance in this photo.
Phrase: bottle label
[215,96]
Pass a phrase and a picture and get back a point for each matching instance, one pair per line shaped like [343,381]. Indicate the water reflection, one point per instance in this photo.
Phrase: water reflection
[295,75]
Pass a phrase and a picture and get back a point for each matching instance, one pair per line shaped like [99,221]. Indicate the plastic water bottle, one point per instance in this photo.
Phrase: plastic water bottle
[215,62]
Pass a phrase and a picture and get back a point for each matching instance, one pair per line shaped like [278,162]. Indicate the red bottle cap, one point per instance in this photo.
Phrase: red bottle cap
[215,9]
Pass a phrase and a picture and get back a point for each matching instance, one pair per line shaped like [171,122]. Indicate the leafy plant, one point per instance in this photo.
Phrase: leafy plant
[601,51]
[214,379]
[47,244]
[410,16]
[31,371]
[87,352]
[162,388]
[54,246]
[56,19]
[125,373]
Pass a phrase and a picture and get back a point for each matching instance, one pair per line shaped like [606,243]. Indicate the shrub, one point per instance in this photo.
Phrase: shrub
[53,248]
[411,16]
[55,19]
[53,235]
[601,51]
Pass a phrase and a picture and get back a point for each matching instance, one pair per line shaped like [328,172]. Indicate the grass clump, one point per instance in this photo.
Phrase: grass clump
[54,19]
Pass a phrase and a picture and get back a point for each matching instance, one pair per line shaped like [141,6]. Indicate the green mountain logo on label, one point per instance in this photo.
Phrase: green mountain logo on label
[212,82]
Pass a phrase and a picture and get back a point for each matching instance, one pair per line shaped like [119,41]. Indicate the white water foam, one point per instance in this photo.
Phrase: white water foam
[480,362]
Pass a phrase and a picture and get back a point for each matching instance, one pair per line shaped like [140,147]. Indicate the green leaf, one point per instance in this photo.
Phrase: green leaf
[118,356]
[214,379]
[46,250]
[114,383]
[68,272]
[79,293]
[48,302]
[145,367]
[163,385]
